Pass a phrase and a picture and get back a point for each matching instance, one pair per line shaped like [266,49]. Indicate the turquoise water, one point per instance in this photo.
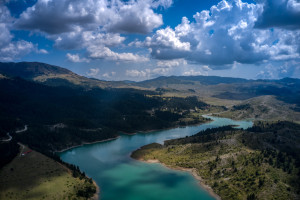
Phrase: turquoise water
[120,177]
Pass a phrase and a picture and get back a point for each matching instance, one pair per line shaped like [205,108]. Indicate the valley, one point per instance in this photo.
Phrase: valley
[63,110]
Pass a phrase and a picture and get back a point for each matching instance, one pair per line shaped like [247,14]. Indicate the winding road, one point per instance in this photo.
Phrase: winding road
[18,131]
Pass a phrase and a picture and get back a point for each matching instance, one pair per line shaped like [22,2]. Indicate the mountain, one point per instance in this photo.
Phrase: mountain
[31,70]
[51,75]
[165,81]
[287,89]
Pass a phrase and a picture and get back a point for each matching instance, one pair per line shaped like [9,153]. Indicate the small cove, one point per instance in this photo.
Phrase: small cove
[121,177]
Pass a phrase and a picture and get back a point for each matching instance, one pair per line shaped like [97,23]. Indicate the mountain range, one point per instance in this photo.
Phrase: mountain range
[287,89]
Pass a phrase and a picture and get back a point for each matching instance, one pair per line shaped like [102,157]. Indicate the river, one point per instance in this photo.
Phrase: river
[121,177]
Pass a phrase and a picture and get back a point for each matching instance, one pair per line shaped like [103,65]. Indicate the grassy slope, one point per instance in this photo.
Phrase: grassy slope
[234,169]
[35,176]
[263,108]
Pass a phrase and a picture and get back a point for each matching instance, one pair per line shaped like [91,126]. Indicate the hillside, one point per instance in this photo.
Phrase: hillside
[263,108]
[164,81]
[286,90]
[227,88]
[259,163]
[49,75]
[34,176]
[86,115]
[231,93]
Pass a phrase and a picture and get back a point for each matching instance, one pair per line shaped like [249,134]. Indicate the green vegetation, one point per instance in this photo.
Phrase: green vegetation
[35,176]
[259,163]
[63,109]
[86,115]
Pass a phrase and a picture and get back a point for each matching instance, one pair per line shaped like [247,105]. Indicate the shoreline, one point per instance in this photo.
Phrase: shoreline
[134,133]
[86,143]
[192,171]
[97,193]
[163,129]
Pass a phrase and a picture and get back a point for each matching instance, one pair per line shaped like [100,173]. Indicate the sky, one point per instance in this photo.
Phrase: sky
[144,39]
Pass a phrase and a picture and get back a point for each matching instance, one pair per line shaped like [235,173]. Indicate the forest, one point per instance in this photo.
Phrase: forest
[61,117]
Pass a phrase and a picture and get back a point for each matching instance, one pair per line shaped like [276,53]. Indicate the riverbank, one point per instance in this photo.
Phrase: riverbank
[115,172]
[234,162]
[86,143]
[191,171]
[173,127]
[96,195]
[134,133]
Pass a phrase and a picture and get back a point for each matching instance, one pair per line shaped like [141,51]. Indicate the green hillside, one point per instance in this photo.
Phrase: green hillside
[259,163]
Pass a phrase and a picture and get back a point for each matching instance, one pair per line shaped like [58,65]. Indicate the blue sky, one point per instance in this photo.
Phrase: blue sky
[143,39]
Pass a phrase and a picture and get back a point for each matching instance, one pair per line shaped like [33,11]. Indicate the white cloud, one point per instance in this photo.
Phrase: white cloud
[138,74]
[93,25]
[167,38]
[192,72]
[93,72]
[293,6]
[135,16]
[171,63]
[42,51]
[9,49]
[206,68]
[281,70]
[79,39]
[76,58]
[161,71]
[15,50]
[164,3]
[224,35]
[148,73]
[109,75]
[100,52]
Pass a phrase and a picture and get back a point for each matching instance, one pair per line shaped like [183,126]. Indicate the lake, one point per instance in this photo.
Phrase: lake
[121,177]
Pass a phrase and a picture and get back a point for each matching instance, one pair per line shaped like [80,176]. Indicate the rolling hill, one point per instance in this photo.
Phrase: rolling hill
[50,75]
[224,90]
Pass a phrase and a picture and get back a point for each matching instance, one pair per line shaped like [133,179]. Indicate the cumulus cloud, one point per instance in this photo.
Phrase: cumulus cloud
[93,25]
[138,74]
[55,17]
[93,72]
[171,63]
[15,50]
[42,51]
[9,49]
[136,16]
[279,13]
[147,73]
[83,39]
[167,39]
[101,52]
[273,71]
[109,74]
[163,3]
[192,72]
[224,35]
[76,58]
[228,33]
